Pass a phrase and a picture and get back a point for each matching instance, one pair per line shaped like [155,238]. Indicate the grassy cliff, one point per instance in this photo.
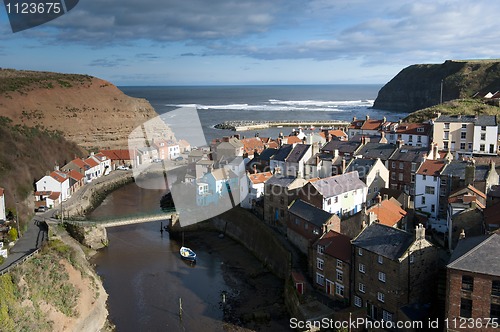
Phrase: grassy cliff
[419,86]
[26,154]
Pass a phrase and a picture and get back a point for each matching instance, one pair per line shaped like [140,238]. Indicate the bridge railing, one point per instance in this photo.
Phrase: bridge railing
[129,217]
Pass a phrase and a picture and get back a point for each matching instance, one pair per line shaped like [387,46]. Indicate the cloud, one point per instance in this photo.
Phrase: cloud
[108,63]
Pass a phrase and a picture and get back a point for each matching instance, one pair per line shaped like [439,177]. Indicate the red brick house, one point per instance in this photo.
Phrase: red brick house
[473,284]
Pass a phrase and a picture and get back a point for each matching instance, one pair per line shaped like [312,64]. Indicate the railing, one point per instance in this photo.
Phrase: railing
[114,219]
[19,261]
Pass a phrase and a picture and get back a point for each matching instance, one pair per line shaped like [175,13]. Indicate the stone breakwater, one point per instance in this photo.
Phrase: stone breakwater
[253,125]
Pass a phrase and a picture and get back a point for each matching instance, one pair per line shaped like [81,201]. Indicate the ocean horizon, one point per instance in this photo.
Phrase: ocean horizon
[219,103]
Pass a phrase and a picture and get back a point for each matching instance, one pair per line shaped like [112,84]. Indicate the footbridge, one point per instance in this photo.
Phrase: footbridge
[126,220]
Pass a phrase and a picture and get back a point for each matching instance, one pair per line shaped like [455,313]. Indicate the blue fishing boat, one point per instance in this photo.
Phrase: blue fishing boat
[187,254]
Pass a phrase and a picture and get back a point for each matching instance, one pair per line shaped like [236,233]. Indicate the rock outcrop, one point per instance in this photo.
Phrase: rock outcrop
[419,86]
[87,110]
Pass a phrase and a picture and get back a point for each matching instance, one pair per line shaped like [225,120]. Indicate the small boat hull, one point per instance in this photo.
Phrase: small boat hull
[187,254]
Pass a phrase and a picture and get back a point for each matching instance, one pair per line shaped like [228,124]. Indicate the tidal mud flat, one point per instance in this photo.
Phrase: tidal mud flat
[255,301]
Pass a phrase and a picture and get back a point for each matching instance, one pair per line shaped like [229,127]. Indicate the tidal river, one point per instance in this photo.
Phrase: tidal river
[145,277]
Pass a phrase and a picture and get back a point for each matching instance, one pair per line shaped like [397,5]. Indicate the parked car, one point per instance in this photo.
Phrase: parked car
[41,209]
[122,168]
[179,158]
[157,160]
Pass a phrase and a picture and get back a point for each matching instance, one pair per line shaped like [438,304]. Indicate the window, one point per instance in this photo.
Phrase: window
[470,146]
[413,167]
[381,276]
[483,128]
[464,126]
[321,249]
[320,279]
[339,290]
[400,176]
[380,297]
[413,178]
[446,135]
[336,199]
[306,225]
[362,268]
[483,137]
[329,201]
[423,200]
[468,283]
[357,301]
[393,164]
[319,264]
[393,176]
[429,190]
[401,165]
[419,139]
[420,130]
[433,208]
[465,308]
[369,190]
[380,259]
[412,259]
[446,126]
[340,276]
[445,145]
[495,311]
[463,135]
[495,288]
[360,252]
[386,316]
[339,264]
[462,146]
[410,138]
[424,177]
[362,287]
[481,147]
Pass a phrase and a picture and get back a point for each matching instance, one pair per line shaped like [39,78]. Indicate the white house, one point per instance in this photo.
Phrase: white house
[427,184]
[2,204]
[373,173]
[343,194]
[294,162]
[146,155]
[56,181]
[413,134]
[94,169]
[255,188]
[104,163]
[485,136]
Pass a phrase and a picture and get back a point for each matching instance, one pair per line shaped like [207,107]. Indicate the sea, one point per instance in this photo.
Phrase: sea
[216,104]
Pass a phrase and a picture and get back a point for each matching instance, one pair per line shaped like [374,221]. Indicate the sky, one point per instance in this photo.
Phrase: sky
[200,42]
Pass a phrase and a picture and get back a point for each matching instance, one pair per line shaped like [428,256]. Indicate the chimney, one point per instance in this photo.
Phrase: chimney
[400,143]
[254,169]
[237,136]
[435,153]
[424,157]
[56,167]
[367,140]
[386,197]
[354,119]
[420,232]
[317,159]
[384,119]
[462,234]
[343,165]
[367,117]
[328,136]
[362,140]
[379,198]
[225,139]
[470,173]
[372,217]
[335,153]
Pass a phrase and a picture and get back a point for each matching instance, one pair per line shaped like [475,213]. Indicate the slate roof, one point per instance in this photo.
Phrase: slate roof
[338,184]
[267,154]
[283,152]
[481,120]
[342,146]
[409,153]
[456,168]
[377,150]
[477,254]
[336,245]
[309,213]
[278,180]
[362,165]
[297,153]
[383,240]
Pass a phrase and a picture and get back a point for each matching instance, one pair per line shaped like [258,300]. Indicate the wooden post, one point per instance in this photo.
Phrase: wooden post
[180,308]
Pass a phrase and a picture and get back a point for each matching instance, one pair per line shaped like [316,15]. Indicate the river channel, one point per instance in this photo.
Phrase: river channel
[145,277]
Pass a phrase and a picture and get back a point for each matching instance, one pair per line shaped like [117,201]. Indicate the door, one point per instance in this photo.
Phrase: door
[300,288]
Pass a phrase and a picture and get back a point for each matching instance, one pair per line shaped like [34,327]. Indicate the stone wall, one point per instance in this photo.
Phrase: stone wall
[94,237]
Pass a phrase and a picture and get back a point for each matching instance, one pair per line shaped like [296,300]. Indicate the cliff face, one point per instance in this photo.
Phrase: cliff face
[419,86]
[89,111]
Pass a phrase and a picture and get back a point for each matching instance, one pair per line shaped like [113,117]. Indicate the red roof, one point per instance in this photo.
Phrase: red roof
[117,154]
[43,193]
[412,128]
[388,212]
[293,139]
[336,245]
[54,195]
[59,176]
[75,175]
[260,177]
[372,124]
[252,144]
[431,167]
[91,162]
[79,162]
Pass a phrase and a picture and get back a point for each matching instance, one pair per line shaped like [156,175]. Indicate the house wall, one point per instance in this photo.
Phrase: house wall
[48,183]
[329,273]
[2,208]
[377,178]
[481,298]
[470,220]
[276,202]
[454,136]
[430,199]
[490,140]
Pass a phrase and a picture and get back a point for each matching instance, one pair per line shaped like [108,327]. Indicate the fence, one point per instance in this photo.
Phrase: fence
[19,261]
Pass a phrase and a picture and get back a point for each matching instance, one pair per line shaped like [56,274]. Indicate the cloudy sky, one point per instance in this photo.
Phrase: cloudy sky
[178,42]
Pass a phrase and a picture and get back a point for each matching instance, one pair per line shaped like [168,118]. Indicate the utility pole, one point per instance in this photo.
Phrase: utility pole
[441,95]
[17,217]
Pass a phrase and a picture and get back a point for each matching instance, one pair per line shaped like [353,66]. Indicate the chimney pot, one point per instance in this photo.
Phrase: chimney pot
[367,117]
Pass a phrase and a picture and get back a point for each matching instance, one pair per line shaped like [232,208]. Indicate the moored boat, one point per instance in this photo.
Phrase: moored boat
[187,254]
